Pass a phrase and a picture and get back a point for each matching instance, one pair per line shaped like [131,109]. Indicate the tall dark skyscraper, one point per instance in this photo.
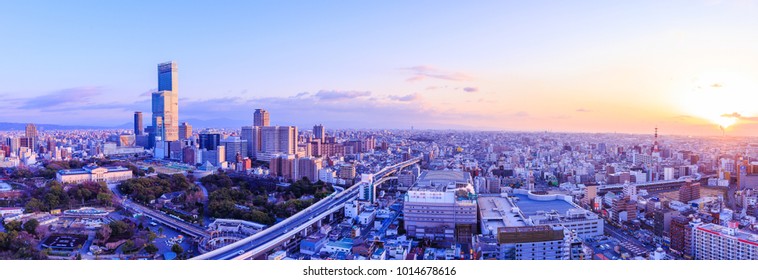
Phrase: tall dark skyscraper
[261,118]
[185,131]
[138,123]
[209,141]
[319,132]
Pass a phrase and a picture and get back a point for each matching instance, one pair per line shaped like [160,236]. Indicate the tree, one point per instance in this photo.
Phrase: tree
[42,231]
[34,205]
[22,173]
[128,247]
[151,236]
[104,233]
[78,256]
[150,170]
[31,226]
[104,199]
[160,231]
[176,248]
[13,226]
[151,249]
[121,229]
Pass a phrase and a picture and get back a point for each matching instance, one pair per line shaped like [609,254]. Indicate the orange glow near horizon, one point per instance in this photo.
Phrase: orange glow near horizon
[721,98]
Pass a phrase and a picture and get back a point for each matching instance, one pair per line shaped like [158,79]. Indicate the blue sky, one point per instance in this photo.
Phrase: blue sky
[514,65]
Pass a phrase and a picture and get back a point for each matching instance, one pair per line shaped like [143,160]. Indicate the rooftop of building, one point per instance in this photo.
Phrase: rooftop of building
[444,177]
[531,207]
[4,187]
[732,233]
[346,243]
[458,185]
[315,237]
[497,212]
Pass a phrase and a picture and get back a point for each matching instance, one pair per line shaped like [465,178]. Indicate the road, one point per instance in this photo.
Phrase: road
[629,242]
[276,233]
[182,226]
[273,233]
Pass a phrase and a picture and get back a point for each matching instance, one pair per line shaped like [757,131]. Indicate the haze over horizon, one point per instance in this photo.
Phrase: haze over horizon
[686,67]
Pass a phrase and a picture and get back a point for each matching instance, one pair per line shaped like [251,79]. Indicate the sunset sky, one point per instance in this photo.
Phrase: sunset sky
[586,66]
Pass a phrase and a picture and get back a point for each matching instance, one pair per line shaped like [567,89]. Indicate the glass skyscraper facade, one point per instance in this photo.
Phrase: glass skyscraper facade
[165,103]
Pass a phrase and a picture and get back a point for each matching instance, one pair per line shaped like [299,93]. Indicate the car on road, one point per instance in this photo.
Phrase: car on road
[240,252]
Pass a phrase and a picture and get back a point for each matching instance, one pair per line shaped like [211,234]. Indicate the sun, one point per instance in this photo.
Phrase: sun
[724,121]
[721,98]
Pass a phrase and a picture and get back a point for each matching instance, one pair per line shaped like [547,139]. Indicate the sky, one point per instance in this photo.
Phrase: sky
[686,67]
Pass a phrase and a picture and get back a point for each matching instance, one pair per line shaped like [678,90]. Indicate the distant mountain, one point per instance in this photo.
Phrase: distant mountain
[43,126]
[217,123]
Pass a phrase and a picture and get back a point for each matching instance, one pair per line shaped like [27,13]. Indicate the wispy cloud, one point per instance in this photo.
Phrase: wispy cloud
[520,114]
[148,93]
[334,95]
[423,72]
[78,95]
[405,98]
[739,117]
[470,89]
[338,108]
[717,85]
[582,110]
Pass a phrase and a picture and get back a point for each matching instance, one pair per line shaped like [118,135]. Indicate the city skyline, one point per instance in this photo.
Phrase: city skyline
[503,66]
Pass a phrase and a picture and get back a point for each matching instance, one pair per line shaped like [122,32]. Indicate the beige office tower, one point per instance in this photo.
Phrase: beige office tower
[261,118]
[279,139]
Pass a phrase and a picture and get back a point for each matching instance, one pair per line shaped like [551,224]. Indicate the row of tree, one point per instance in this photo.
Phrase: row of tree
[233,203]
[251,202]
[149,188]
[18,242]
[53,196]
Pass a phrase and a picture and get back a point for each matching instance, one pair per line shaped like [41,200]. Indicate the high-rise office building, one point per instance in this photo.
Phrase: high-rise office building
[234,145]
[319,132]
[31,131]
[215,156]
[689,191]
[278,140]
[261,118]
[31,137]
[167,76]
[137,123]
[185,131]
[165,103]
[209,141]
[14,143]
[253,136]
